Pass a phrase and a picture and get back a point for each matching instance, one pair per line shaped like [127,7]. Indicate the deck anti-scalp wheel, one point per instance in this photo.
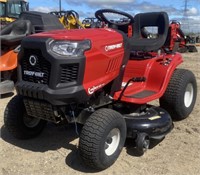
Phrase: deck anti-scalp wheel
[19,123]
[102,138]
[180,96]
[142,143]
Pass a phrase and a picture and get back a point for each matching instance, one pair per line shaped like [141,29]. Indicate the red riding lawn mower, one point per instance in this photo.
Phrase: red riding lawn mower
[177,41]
[104,80]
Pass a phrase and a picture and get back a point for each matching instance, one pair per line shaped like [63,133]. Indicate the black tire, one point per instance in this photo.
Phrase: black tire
[174,99]
[97,149]
[182,49]
[18,123]
[192,48]
[142,143]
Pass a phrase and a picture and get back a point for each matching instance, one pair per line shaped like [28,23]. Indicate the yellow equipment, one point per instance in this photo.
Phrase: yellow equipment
[91,23]
[11,9]
[69,19]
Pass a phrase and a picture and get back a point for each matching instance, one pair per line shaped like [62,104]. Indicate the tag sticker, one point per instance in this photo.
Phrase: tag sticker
[154,117]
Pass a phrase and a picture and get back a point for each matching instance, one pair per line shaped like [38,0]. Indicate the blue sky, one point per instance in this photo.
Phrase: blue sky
[87,8]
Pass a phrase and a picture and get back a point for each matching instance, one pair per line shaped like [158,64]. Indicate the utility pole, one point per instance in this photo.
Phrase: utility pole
[185,9]
[185,17]
[60,5]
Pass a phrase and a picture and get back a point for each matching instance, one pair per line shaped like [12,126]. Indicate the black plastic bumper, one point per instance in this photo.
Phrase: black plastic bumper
[55,97]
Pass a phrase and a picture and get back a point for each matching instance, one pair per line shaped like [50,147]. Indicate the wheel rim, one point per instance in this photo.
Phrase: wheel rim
[31,122]
[146,144]
[112,141]
[189,94]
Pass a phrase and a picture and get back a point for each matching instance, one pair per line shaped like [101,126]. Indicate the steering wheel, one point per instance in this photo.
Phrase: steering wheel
[71,13]
[103,15]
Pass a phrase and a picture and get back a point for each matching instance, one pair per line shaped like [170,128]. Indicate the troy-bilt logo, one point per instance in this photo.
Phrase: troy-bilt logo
[112,47]
[94,88]
[33,60]
[32,73]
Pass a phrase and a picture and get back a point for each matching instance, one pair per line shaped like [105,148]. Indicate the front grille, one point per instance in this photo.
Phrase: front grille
[69,73]
[41,66]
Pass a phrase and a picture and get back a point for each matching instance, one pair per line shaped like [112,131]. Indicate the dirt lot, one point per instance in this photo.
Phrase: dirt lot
[55,150]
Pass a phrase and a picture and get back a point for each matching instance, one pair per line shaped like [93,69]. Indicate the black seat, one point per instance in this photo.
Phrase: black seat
[12,34]
[41,22]
[151,19]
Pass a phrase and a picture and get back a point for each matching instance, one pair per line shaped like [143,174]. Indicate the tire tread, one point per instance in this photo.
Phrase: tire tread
[91,136]
[172,99]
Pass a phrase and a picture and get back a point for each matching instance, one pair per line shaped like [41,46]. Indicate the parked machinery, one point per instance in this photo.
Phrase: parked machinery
[69,19]
[177,40]
[11,9]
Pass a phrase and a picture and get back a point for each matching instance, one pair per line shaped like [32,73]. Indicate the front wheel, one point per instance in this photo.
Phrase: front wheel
[102,138]
[19,123]
[180,96]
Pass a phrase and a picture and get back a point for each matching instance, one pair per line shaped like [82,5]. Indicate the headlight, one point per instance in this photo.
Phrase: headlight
[70,48]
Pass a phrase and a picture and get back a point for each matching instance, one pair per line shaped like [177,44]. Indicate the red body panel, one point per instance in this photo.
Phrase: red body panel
[157,72]
[103,61]
[80,34]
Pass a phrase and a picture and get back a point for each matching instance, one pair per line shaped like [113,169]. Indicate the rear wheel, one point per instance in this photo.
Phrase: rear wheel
[102,138]
[180,96]
[182,49]
[192,48]
[19,123]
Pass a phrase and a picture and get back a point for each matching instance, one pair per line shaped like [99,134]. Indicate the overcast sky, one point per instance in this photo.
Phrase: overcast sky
[87,8]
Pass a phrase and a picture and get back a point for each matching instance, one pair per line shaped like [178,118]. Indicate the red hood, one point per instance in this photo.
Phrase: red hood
[79,34]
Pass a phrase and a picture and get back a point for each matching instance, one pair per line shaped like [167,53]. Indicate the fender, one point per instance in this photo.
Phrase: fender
[8,61]
[157,71]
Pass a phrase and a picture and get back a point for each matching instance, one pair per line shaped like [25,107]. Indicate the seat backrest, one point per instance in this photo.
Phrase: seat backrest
[41,21]
[12,34]
[151,19]
[21,27]
[18,27]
